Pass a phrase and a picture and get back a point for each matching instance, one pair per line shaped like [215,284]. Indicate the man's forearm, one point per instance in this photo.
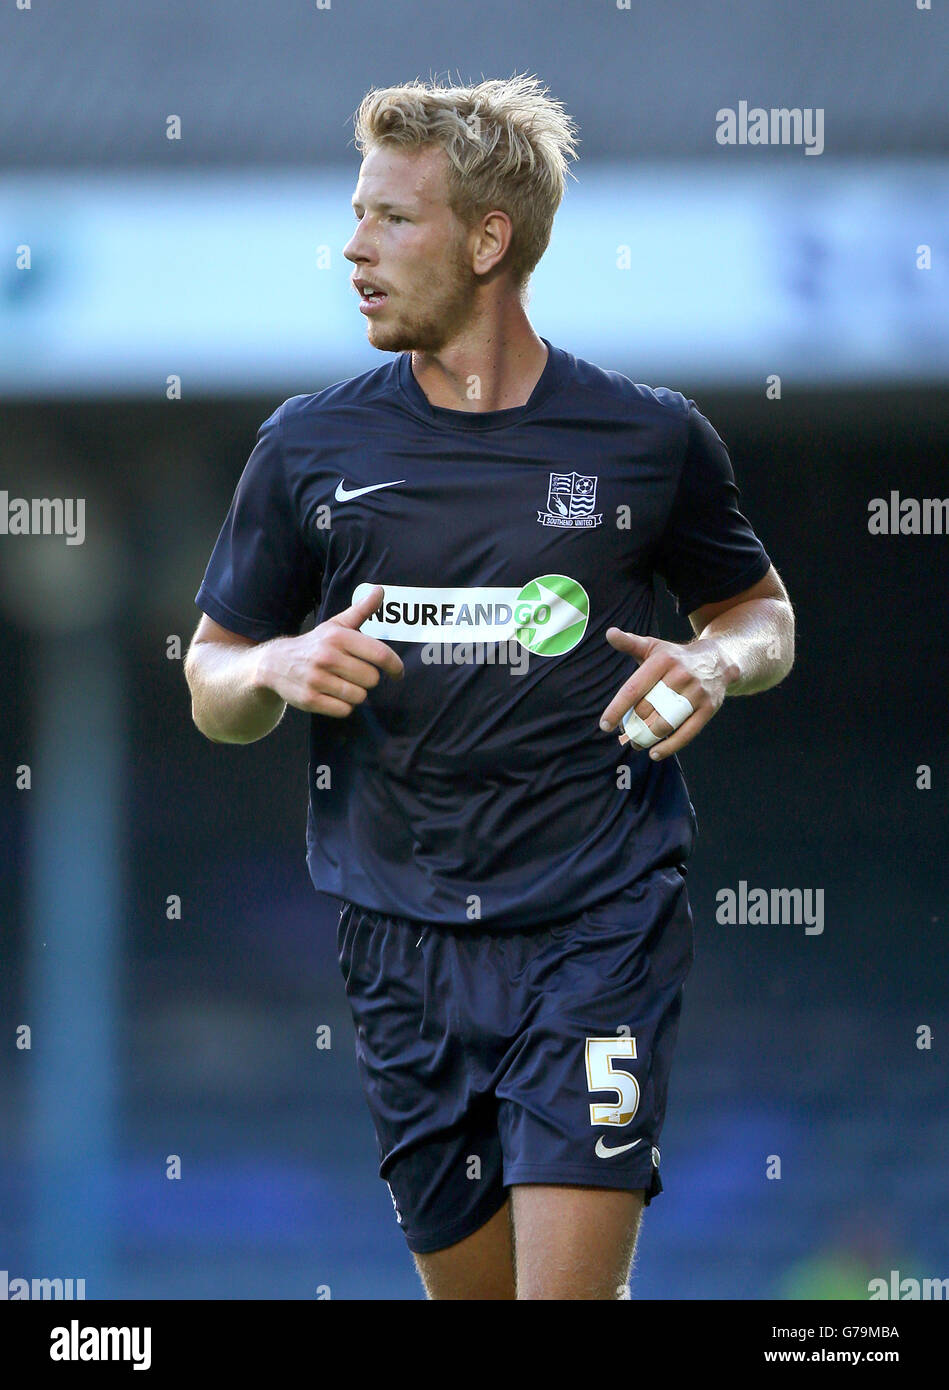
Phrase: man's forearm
[758,638]
[229,702]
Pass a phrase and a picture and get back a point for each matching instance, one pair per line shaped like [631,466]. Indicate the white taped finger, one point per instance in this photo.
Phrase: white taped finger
[639,732]
[673,707]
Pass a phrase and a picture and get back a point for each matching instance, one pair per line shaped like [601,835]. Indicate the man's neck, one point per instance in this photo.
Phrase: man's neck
[479,370]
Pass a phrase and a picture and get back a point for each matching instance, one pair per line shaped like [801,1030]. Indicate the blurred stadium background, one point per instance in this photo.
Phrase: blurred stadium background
[215,258]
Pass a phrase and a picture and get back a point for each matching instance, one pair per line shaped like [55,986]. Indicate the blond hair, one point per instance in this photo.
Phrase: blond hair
[507,144]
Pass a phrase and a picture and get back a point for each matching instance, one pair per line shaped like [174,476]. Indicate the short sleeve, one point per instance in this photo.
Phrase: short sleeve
[708,551]
[261,580]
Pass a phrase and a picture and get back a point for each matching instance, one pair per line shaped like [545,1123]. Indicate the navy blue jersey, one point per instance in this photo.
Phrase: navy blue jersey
[480,789]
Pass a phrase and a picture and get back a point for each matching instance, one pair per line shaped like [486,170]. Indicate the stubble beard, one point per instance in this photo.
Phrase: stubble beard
[447,308]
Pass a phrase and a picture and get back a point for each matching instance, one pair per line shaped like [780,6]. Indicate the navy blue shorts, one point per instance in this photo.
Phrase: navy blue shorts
[491,1058]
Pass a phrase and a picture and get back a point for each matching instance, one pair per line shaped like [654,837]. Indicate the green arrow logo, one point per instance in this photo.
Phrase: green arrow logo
[551,613]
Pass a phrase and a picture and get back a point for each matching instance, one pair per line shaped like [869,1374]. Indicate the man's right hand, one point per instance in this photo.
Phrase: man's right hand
[331,669]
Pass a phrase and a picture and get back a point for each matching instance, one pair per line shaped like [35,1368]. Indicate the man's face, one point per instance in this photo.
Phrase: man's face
[410,245]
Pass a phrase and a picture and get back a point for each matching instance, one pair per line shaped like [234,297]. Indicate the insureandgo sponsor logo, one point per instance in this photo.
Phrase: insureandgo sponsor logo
[548,615]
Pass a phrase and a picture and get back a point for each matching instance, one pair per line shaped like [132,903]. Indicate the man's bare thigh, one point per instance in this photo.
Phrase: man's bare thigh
[546,1242]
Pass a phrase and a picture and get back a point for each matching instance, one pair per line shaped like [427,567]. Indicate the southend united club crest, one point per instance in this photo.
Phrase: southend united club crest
[571,498]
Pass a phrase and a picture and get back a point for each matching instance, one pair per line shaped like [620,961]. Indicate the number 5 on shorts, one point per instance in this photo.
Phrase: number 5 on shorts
[603,1076]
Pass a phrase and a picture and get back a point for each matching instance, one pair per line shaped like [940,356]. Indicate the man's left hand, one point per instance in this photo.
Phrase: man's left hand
[698,670]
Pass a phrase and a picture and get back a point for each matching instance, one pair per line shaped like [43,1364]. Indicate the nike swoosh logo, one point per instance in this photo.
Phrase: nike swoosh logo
[603,1152]
[344,494]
